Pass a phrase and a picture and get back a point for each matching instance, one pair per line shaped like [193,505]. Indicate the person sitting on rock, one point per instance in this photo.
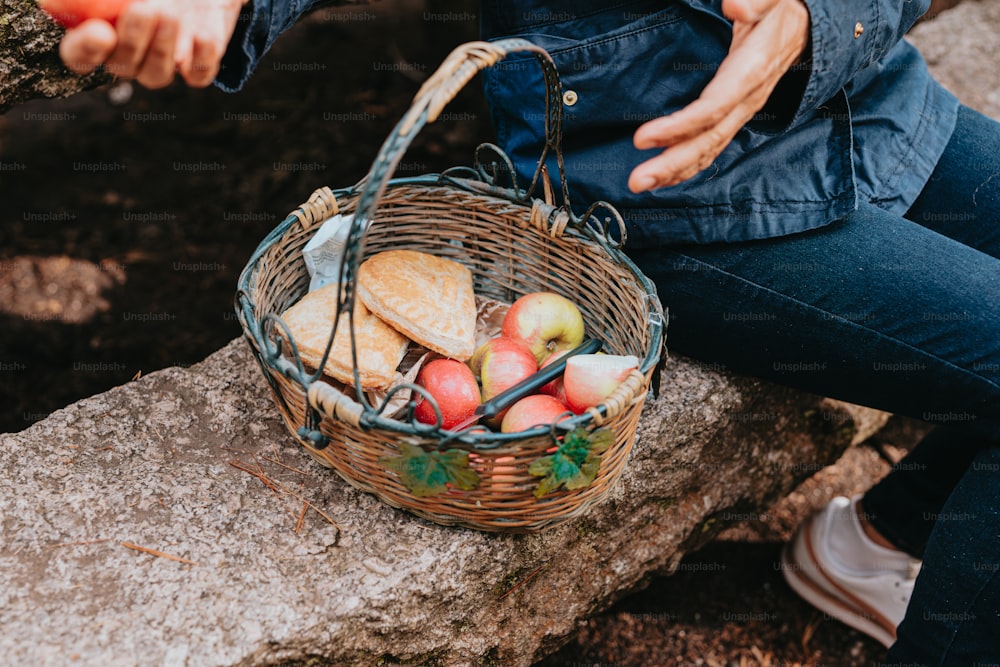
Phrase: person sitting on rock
[814,209]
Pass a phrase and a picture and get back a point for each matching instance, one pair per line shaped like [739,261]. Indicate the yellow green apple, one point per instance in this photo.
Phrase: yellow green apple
[546,321]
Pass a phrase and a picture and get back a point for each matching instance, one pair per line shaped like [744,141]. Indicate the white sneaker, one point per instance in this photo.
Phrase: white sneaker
[835,567]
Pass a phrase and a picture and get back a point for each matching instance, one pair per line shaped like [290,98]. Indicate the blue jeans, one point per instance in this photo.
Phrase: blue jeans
[897,313]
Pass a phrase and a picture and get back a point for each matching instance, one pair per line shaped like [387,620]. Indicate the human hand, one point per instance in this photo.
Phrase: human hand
[154,39]
[769,36]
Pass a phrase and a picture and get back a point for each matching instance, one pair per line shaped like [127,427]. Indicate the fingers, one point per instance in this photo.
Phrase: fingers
[209,45]
[155,39]
[88,45]
[699,116]
[157,68]
[737,86]
[671,167]
[686,158]
[136,27]
[146,42]
[698,133]
[200,69]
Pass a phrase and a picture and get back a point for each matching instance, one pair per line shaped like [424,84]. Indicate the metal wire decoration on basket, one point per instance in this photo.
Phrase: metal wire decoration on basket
[513,243]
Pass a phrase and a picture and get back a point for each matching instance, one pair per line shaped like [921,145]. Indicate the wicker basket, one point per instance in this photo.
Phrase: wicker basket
[514,244]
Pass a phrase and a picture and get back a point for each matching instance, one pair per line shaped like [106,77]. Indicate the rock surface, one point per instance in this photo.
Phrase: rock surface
[260,556]
[957,45]
[29,60]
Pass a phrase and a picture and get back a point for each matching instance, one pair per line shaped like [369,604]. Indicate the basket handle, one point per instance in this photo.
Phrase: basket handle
[461,65]
[625,394]
[464,62]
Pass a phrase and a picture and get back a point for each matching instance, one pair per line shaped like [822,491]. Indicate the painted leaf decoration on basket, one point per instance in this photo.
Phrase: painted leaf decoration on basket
[429,473]
[575,463]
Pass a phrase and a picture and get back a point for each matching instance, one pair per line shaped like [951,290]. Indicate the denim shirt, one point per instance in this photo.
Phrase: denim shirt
[861,120]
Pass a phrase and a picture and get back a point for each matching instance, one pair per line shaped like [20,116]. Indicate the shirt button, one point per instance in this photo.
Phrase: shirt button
[859,29]
[570,98]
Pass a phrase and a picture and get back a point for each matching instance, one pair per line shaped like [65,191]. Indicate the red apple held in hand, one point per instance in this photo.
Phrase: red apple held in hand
[590,378]
[546,321]
[453,387]
[534,410]
[71,13]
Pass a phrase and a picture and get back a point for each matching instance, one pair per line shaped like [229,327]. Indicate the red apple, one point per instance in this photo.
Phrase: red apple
[71,13]
[590,378]
[501,363]
[555,388]
[546,321]
[534,410]
[453,387]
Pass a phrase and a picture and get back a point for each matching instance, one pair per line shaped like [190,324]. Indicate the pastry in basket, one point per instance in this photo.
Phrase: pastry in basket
[426,297]
[380,347]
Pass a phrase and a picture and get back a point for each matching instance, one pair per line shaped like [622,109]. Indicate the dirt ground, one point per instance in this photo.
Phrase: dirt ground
[126,216]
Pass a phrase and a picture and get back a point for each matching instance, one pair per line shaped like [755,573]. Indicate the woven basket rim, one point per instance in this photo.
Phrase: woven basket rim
[472,438]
